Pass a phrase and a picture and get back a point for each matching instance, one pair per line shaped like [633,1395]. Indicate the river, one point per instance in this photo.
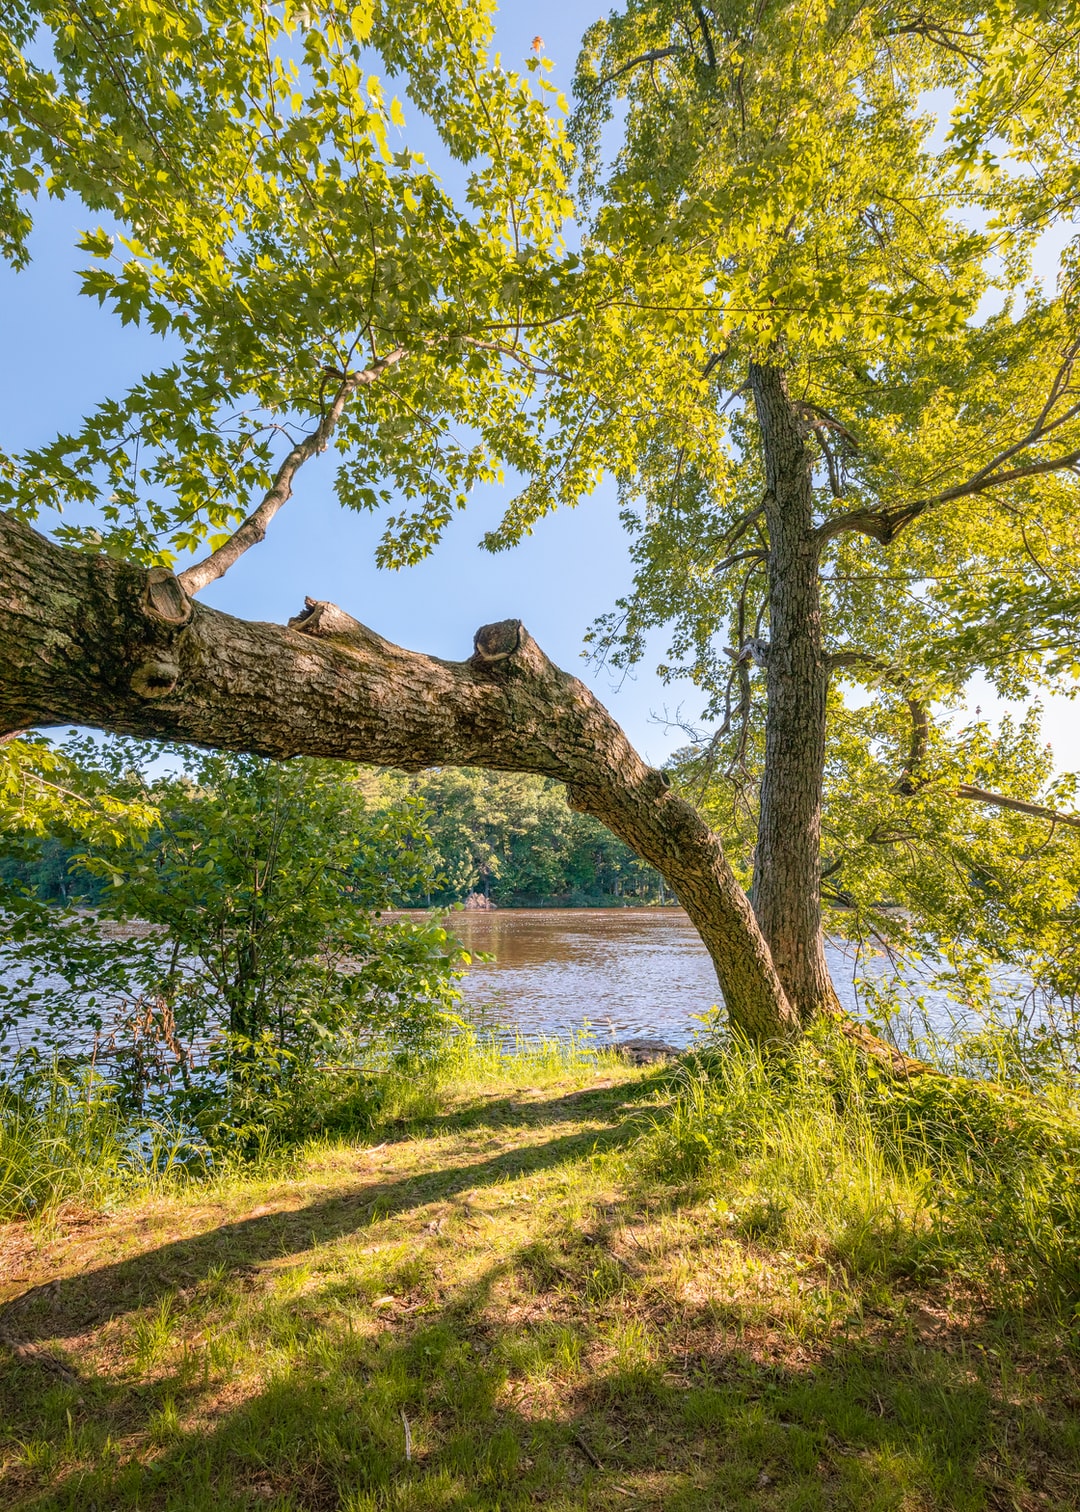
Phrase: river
[630,972]
[627,972]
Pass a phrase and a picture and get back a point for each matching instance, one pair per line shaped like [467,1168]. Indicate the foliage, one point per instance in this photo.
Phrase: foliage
[782,193]
[266,209]
[47,793]
[511,836]
[917,349]
[50,869]
[514,838]
[237,966]
[960,897]
[779,192]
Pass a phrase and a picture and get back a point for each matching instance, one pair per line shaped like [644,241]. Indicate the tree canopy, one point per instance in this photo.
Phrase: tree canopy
[793,319]
[784,198]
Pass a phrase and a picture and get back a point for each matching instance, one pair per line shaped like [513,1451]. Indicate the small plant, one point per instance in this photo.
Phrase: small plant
[164,1425]
[153,1334]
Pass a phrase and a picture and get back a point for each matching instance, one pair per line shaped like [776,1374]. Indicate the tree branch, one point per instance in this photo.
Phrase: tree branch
[884,525]
[757,554]
[88,640]
[909,782]
[253,530]
[647,57]
[1018,805]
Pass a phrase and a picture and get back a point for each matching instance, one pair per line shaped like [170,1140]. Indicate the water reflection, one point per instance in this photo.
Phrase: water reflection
[629,971]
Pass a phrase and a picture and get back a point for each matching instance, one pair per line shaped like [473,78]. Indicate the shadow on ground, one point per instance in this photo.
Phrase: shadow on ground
[535,1377]
[66,1308]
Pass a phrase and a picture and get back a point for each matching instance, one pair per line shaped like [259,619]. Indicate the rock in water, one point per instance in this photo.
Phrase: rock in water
[645,1052]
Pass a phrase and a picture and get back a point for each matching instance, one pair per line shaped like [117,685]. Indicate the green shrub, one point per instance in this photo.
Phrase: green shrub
[238,974]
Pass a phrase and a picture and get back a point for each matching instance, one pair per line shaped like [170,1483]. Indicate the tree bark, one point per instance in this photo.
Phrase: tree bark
[787,861]
[90,640]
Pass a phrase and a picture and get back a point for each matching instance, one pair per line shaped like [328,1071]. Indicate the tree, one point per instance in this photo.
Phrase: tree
[515,838]
[324,289]
[321,286]
[861,447]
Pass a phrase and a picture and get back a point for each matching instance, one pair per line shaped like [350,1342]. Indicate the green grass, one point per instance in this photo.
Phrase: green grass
[922,1177]
[536,1284]
[65,1141]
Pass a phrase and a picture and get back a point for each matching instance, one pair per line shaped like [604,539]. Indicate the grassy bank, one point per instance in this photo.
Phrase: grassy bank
[555,1282]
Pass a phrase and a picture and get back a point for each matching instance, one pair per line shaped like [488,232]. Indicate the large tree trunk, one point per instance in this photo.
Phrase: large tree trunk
[97,642]
[787,861]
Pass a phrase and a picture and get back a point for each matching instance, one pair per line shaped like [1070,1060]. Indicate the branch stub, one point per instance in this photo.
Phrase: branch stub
[498,642]
[164,598]
[155,679]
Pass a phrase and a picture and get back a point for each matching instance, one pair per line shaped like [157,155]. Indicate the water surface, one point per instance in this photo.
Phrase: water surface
[628,971]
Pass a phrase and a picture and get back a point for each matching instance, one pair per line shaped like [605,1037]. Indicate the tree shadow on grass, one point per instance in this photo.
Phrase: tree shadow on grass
[467,1407]
[556,1375]
[513,1110]
[68,1307]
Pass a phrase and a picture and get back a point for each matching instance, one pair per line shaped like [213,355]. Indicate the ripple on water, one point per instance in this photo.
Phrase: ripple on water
[628,971]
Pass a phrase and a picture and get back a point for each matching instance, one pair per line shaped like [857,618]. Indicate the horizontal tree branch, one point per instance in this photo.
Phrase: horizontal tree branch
[1018,805]
[653,56]
[85,639]
[884,525]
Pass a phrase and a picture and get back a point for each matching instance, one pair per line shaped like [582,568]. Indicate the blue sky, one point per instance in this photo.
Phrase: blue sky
[64,354]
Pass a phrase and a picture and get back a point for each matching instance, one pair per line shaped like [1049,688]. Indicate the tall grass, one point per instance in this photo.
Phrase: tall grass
[488,1058]
[920,1177]
[65,1138]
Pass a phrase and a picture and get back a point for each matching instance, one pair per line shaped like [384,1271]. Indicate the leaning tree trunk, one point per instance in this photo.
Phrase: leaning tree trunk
[104,643]
[787,861]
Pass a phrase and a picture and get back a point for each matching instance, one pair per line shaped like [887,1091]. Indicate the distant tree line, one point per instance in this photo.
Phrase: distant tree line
[511,837]
[514,839]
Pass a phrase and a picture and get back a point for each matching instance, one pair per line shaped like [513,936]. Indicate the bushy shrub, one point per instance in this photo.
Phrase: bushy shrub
[238,972]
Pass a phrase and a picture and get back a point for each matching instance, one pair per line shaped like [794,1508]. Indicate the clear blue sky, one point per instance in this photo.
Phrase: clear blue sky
[64,354]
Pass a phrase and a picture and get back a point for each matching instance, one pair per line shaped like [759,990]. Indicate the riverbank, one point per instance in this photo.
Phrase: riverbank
[509,1296]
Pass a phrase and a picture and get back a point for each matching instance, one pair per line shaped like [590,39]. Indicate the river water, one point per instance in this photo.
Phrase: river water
[626,972]
[629,972]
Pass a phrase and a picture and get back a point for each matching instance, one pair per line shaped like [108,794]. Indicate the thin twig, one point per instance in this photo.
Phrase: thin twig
[586,1451]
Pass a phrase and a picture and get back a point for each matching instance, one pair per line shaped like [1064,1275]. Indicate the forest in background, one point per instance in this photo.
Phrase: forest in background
[511,837]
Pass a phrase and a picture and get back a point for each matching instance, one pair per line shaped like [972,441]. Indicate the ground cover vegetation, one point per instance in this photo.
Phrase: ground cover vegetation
[758,1281]
[797,325]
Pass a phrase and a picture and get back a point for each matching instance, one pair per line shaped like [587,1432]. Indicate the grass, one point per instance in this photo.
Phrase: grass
[536,1284]
[65,1140]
